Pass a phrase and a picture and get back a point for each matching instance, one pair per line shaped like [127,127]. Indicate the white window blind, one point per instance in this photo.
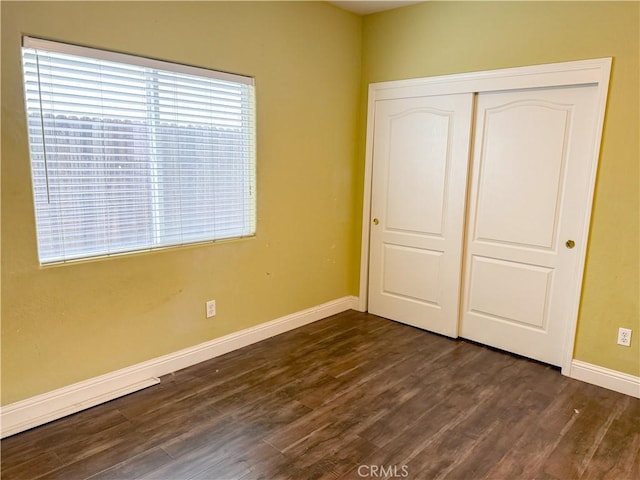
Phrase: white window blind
[131,154]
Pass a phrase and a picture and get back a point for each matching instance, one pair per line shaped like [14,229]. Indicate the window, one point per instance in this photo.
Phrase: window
[132,154]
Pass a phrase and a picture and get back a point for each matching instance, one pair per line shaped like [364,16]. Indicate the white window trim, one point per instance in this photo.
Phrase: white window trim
[148,63]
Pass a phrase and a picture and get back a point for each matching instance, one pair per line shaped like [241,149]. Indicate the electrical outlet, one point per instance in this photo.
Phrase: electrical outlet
[211,308]
[624,336]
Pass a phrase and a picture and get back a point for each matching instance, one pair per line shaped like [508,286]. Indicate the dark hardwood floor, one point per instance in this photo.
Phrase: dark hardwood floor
[352,396]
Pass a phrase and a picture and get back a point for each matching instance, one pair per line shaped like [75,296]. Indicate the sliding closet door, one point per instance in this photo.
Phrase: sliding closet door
[533,152]
[420,164]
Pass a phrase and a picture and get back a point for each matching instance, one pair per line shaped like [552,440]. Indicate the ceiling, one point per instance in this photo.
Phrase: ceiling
[365,7]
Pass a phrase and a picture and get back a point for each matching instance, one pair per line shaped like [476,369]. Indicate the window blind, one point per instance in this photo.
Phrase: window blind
[130,154]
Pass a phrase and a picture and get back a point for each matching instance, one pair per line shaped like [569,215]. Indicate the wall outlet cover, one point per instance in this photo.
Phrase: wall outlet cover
[211,308]
[624,336]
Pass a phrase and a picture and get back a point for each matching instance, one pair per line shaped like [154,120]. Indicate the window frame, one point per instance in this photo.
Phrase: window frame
[248,135]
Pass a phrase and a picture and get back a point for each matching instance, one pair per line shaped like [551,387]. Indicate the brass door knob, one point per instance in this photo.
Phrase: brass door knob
[376,221]
[570,243]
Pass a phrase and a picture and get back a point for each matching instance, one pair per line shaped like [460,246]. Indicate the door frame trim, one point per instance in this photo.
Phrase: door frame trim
[582,72]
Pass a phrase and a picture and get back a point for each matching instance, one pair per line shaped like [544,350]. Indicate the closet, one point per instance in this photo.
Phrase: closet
[478,193]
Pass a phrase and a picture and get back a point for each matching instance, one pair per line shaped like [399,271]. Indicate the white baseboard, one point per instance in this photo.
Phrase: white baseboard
[34,411]
[606,378]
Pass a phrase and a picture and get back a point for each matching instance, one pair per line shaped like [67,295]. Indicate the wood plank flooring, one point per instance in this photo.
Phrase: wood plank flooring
[349,397]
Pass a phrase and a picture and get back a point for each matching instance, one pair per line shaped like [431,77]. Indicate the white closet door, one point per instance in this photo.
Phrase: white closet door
[420,164]
[528,208]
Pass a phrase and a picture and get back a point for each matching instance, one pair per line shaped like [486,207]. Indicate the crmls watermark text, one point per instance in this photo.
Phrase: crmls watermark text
[383,471]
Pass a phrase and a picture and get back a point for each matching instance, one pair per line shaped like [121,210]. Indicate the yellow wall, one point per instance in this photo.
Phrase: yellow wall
[67,323]
[451,37]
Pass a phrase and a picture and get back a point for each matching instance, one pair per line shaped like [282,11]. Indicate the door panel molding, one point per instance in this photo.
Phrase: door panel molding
[594,72]
[431,176]
[494,216]
[423,289]
[522,308]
